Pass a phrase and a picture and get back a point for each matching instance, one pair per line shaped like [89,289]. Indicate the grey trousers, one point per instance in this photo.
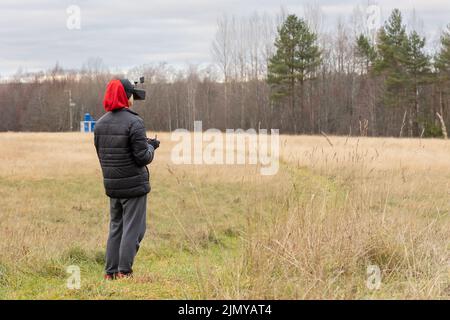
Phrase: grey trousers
[126,230]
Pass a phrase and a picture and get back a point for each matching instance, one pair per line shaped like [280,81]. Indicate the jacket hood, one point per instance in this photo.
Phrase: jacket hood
[115,96]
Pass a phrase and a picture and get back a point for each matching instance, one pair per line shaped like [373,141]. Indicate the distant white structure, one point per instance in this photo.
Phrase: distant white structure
[87,126]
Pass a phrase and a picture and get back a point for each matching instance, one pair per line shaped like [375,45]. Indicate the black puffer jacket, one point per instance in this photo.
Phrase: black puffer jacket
[124,153]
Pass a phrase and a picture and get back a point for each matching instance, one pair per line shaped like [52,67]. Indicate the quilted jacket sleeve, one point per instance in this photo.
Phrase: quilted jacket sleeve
[142,152]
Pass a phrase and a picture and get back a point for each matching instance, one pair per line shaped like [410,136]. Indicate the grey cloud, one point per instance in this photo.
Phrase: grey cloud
[126,33]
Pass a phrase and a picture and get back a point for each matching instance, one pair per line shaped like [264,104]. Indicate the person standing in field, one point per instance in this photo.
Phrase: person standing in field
[124,153]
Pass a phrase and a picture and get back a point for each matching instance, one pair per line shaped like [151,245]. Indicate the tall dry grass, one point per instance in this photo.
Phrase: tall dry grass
[311,231]
[348,204]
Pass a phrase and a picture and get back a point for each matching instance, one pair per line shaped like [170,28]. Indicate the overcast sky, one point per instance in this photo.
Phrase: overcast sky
[126,33]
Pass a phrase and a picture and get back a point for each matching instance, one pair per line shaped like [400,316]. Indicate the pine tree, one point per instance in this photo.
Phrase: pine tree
[443,58]
[392,42]
[405,66]
[442,65]
[365,52]
[417,65]
[294,62]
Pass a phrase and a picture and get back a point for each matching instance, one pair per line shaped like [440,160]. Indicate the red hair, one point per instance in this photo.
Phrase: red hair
[115,96]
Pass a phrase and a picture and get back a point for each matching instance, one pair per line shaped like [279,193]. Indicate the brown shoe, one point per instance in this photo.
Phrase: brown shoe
[124,275]
[110,276]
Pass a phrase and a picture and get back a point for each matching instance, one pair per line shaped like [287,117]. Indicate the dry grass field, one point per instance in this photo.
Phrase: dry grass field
[335,208]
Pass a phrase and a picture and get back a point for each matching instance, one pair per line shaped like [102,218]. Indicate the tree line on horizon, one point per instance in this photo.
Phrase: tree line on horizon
[280,72]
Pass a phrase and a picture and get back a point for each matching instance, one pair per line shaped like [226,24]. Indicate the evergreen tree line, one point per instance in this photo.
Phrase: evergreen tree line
[269,72]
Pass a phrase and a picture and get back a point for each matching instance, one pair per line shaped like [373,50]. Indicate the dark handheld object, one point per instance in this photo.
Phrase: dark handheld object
[154,143]
[130,89]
